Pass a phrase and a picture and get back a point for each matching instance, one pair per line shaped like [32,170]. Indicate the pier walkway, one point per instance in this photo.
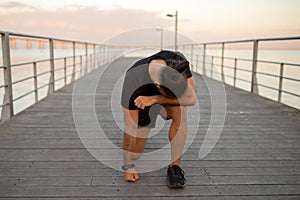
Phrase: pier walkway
[256,157]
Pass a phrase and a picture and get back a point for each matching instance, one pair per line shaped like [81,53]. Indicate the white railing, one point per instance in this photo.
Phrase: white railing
[268,78]
[57,69]
[48,74]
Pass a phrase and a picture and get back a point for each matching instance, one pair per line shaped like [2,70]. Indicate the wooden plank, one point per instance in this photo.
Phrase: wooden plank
[47,172]
[185,163]
[135,190]
[256,156]
[158,180]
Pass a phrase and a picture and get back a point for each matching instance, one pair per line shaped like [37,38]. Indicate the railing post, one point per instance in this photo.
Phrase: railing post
[192,51]
[35,83]
[65,70]
[195,68]
[203,64]
[51,87]
[94,59]
[212,67]
[254,87]
[105,54]
[74,62]
[98,55]
[280,82]
[222,62]
[80,65]
[86,59]
[8,108]
[234,75]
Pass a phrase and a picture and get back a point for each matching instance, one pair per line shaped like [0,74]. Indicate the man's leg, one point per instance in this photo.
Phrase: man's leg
[177,136]
[140,142]
[147,119]
[177,132]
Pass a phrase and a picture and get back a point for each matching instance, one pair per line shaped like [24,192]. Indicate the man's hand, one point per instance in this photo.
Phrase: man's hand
[131,175]
[143,101]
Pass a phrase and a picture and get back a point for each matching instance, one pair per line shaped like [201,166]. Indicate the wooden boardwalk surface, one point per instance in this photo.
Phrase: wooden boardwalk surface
[256,157]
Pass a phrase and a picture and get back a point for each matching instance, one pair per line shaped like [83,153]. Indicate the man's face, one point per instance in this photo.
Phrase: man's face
[161,90]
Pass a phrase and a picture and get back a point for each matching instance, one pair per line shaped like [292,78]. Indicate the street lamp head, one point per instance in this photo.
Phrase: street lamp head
[170,15]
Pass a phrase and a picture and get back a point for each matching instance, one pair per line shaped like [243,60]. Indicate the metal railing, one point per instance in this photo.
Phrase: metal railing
[205,61]
[74,66]
[212,63]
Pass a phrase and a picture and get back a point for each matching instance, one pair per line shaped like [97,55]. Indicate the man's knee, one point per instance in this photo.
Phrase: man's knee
[177,113]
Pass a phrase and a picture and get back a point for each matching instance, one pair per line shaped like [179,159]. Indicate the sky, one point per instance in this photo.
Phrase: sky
[198,20]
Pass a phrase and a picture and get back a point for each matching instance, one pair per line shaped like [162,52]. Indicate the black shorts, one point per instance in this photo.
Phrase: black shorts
[148,116]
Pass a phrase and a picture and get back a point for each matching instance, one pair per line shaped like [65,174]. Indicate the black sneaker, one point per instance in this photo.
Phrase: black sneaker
[175,177]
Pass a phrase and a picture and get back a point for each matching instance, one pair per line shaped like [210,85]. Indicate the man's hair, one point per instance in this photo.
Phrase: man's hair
[172,82]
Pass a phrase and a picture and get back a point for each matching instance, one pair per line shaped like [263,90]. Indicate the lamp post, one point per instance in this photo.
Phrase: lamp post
[161,37]
[176,27]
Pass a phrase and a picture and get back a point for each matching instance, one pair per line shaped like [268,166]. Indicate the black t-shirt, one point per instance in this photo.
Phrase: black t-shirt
[137,80]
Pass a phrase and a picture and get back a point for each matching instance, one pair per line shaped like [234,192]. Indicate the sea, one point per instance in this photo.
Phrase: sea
[212,61]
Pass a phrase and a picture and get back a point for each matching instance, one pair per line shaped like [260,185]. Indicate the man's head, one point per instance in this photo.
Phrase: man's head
[172,83]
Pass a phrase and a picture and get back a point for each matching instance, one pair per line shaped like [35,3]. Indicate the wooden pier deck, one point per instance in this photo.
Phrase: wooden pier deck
[256,157]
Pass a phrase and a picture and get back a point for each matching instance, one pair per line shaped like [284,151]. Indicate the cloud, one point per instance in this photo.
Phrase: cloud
[85,23]
[15,7]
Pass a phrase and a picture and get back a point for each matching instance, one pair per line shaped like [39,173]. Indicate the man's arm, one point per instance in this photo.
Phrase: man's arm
[187,99]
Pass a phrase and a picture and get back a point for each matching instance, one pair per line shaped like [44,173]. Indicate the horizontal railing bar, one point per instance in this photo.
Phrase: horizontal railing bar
[244,41]
[291,79]
[61,58]
[297,95]
[2,86]
[227,75]
[58,69]
[31,77]
[233,77]
[238,69]
[29,63]
[228,67]
[227,42]
[243,80]
[243,70]
[43,73]
[22,80]
[40,61]
[278,63]
[42,86]
[4,104]
[68,66]
[68,75]
[47,38]
[260,61]
[59,79]
[208,70]
[267,74]
[266,86]
[22,96]
[232,58]
[77,56]
[283,38]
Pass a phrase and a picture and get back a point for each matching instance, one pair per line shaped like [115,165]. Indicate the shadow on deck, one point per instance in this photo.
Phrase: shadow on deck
[256,157]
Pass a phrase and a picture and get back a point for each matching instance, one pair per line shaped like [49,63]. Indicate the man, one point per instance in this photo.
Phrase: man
[159,84]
